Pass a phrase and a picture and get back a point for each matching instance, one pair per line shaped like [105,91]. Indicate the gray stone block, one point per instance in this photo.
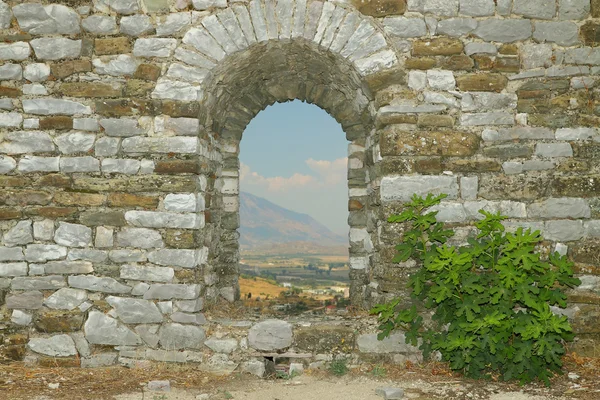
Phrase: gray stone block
[21,142]
[159,291]
[538,9]
[368,343]
[154,47]
[405,27]
[504,30]
[402,188]
[573,9]
[73,235]
[157,219]
[139,237]
[550,150]
[563,230]
[457,27]
[66,299]
[130,255]
[38,283]
[562,33]
[21,233]
[39,164]
[477,8]
[135,311]
[121,65]
[56,49]
[76,142]
[120,166]
[98,284]
[54,107]
[44,252]
[55,346]
[102,329]
[178,337]
[13,269]
[136,25]
[146,273]
[564,207]
[100,25]
[31,300]
[270,335]
[18,51]
[487,118]
[11,254]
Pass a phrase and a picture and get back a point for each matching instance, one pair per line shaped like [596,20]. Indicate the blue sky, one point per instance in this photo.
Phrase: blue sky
[294,154]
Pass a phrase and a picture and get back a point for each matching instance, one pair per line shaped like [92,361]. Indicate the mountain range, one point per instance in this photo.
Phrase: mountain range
[267,225]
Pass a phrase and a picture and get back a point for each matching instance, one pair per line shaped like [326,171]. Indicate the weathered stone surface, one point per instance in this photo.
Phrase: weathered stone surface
[51,321]
[172,291]
[13,269]
[44,252]
[154,47]
[147,273]
[14,51]
[477,8]
[560,208]
[54,106]
[562,33]
[37,19]
[270,335]
[102,329]
[38,283]
[135,311]
[226,346]
[31,300]
[66,299]
[437,47]
[56,48]
[504,30]
[539,9]
[98,284]
[11,254]
[73,235]
[55,346]
[121,65]
[156,219]
[401,188]
[177,337]
[563,230]
[446,143]
[140,238]
[21,142]
[173,257]
[368,343]
[21,233]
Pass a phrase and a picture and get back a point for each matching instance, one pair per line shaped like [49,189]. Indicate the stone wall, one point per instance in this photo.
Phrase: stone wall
[120,130]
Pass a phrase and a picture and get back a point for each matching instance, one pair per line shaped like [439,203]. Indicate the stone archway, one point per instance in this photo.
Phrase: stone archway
[242,59]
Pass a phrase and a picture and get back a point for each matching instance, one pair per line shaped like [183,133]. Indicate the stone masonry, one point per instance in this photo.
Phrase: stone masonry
[120,123]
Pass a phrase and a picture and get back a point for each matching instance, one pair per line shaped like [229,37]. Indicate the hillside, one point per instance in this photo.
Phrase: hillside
[265,224]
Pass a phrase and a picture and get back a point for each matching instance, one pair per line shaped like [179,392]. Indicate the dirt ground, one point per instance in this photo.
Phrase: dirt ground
[429,382]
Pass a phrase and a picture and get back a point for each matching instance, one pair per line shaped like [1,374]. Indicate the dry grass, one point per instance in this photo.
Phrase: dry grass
[259,288]
[18,381]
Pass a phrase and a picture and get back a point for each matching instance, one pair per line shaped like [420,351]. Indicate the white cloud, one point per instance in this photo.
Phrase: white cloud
[327,173]
[330,172]
[274,184]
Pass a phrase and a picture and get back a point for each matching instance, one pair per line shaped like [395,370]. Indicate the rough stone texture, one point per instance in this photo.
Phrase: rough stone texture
[102,329]
[270,335]
[135,311]
[55,346]
[121,123]
[177,337]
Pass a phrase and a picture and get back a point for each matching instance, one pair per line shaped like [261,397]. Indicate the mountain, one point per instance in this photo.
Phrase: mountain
[265,224]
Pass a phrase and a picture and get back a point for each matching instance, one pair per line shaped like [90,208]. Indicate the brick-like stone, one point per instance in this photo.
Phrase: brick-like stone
[481,82]
[381,8]
[128,200]
[437,47]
